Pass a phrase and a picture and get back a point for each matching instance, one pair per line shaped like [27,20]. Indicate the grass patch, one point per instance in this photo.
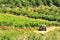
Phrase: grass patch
[21,21]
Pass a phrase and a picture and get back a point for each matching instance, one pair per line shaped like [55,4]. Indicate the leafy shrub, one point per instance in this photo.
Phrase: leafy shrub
[25,3]
[43,12]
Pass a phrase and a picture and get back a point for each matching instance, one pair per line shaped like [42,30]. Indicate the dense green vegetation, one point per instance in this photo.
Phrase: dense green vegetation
[23,14]
[21,21]
[43,12]
[37,9]
[25,3]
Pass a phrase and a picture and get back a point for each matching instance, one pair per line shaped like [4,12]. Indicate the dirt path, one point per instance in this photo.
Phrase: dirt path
[28,29]
[48,29]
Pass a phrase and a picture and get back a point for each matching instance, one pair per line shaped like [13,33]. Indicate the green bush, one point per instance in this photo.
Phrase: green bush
[26,3]
[43,12]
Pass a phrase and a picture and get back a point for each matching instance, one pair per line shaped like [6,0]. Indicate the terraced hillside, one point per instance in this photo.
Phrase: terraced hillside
[20,18]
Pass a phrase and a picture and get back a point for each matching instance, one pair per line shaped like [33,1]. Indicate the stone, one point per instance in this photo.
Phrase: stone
[42,27]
